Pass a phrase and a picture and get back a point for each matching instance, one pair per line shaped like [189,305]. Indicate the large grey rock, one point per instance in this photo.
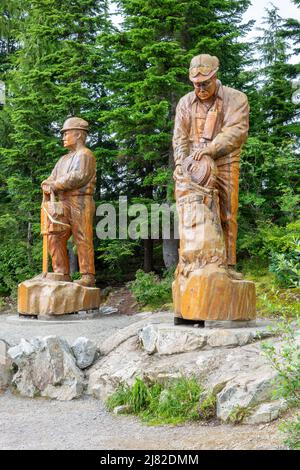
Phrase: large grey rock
[5,366]
[244,392]
[121,336]
[121,366]
[166,338]
[46,367]
[85,351]
[229,338]
[21,350]
[267,412]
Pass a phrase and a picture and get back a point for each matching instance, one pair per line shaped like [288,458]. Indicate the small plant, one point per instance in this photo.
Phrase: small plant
[120,397]
[238,414]
[207,407]
[149,290]
[286,361]
[292,430]
[175,403]
[140,396]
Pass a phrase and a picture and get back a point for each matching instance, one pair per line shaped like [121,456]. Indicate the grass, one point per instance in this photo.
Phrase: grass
[272,300]
[179,401]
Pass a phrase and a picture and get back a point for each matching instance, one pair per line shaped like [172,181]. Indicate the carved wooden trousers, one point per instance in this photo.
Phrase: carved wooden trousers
[228,186]
[78,213]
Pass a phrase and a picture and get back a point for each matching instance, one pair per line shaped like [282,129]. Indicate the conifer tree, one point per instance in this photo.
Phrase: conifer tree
[56,73]
[151,55]
[270,162]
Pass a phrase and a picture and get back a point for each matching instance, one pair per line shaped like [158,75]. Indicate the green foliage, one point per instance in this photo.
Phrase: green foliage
[149,290]
[174,403]
[207,406]
[292,430]
[116,253]
[286,361]
[238,414]
[121,396]
[280,246]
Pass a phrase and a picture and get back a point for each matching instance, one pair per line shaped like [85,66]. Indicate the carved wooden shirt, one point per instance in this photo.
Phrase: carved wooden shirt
[75,173]
[230,131]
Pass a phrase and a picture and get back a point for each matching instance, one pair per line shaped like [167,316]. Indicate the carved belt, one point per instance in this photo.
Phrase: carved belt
[189,199]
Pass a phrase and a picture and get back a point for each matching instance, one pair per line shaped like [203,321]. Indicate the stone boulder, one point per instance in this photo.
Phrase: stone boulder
[85,351]
[245,391]
[267,412]
[166,338]
[5,366]
[46,367]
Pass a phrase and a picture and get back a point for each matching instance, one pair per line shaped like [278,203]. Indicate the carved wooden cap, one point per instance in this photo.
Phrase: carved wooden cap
[204,65]
[75,123]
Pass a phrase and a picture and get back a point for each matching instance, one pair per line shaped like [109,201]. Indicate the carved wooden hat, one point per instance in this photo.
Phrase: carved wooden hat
[75,123]
[203,66]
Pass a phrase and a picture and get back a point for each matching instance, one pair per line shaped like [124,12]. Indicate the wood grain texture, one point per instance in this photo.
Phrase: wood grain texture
[210,294]
[47,297]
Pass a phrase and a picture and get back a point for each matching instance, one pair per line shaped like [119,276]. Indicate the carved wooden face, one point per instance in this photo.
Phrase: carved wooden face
[70,138]
[205,89]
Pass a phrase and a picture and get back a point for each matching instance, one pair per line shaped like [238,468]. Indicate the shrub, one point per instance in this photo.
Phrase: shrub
[277,247]
[282,244]
[292,430]
[149,290]
[286,361]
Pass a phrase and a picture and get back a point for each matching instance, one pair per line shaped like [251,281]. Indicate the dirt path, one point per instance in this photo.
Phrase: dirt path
[85,424]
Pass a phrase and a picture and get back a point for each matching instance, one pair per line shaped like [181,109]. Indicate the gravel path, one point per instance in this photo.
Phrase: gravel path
[13,328]
[85,424]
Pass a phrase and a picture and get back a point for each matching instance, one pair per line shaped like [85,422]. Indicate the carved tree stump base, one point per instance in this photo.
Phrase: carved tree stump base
[210,294]
[48,297]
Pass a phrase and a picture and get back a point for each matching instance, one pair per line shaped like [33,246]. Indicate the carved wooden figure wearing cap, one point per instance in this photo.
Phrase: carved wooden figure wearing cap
[73,182]
[211,125]
[68,208]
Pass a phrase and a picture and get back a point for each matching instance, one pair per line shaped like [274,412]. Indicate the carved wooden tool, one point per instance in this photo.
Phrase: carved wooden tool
[50,210]
[44,232]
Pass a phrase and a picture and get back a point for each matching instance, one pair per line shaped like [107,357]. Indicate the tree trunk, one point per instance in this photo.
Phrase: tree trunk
[73,260]
[170,252]
[29,242]
[148,255]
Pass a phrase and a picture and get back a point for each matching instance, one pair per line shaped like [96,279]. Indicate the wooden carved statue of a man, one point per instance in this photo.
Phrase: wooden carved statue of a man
[73,182]
[213,120]
[211,125]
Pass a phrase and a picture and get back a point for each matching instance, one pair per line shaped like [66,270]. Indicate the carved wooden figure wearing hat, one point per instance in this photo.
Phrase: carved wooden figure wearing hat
[211,125]
[73,182]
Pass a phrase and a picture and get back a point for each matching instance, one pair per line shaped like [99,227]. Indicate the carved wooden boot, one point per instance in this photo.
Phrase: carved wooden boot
[87,280]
